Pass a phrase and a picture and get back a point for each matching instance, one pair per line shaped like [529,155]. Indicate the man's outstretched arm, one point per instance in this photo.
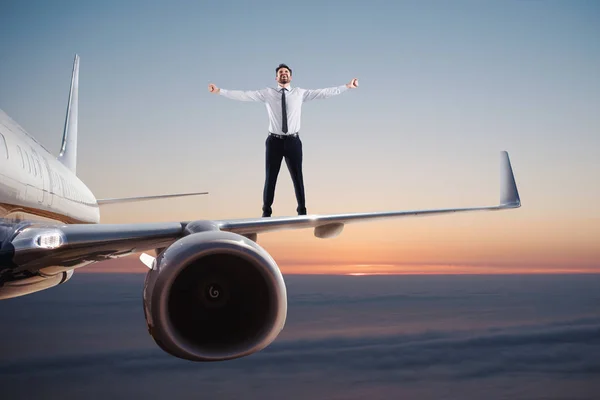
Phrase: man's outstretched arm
[315,94]
[241,95]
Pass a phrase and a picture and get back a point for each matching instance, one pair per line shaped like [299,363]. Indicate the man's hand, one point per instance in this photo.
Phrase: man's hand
[213,88]
[353,84]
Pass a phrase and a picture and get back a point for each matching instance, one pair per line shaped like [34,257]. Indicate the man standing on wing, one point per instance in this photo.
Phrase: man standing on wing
[284,106]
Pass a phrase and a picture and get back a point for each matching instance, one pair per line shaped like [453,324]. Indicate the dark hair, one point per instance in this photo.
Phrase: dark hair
[282,66]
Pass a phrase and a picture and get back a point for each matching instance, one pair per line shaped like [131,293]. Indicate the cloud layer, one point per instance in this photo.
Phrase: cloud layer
[430,337]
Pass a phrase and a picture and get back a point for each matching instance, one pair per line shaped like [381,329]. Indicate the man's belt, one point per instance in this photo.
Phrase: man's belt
[290,135]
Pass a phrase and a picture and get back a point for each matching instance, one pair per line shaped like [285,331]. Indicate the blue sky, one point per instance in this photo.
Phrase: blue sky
[444,87]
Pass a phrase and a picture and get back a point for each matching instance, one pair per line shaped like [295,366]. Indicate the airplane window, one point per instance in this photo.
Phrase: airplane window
[39,167]
[3,147]
[21,154]
[27,159]
[33,165]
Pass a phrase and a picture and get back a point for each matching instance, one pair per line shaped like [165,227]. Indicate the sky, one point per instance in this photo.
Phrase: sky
[444,87]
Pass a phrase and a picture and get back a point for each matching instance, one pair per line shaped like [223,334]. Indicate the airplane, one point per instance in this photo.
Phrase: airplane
[212,293]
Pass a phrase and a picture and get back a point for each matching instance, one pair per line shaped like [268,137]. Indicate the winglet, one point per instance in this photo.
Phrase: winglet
[68,148]
[509,195]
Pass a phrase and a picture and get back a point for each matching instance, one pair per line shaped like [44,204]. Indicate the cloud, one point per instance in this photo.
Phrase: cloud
[569,349]
[425,338]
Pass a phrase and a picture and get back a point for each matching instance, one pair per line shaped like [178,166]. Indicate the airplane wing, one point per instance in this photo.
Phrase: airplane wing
[35,247]
[327,226]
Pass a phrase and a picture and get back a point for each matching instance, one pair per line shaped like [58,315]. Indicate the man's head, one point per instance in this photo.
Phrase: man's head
[283,74]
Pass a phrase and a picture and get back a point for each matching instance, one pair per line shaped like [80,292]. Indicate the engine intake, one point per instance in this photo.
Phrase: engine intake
[214,296]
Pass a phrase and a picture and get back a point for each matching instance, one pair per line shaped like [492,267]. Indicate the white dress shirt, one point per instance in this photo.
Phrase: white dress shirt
[294,97]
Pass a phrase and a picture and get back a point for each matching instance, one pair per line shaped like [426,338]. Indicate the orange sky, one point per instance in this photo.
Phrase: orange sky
[133,265]
[526,240]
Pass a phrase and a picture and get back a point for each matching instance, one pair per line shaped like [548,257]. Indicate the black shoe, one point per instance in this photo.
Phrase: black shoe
[266,211]
[303,212]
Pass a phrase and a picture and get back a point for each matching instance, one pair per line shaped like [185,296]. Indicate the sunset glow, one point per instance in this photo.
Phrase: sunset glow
[467,82]
[133,265]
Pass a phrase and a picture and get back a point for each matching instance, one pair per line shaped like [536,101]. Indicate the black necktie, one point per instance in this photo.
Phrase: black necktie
[284,127]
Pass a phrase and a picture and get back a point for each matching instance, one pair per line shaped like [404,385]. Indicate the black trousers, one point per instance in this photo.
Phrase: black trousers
[289,148]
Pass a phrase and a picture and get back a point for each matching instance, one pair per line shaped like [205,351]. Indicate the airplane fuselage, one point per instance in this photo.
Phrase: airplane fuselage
[34,185]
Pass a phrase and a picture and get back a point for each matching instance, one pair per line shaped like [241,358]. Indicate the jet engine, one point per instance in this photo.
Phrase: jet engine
[214,296]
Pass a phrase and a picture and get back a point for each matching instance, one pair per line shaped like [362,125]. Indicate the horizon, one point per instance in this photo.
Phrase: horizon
[132,265]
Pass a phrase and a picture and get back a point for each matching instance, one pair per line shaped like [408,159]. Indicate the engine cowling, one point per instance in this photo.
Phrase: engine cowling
[214,296]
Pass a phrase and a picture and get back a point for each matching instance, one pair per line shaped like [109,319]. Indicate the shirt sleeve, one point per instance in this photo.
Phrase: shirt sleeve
[244,95]
[315,94]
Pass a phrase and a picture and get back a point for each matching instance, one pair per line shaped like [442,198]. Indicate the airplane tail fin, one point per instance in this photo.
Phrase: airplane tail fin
[143,198]
[68,148]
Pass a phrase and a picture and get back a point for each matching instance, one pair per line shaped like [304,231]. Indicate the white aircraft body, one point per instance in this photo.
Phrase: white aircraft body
[212,293]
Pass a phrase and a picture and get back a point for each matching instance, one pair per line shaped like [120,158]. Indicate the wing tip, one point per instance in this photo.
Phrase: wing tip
[509,194]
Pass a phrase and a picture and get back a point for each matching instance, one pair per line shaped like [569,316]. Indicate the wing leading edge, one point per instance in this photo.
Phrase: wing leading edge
[34,248]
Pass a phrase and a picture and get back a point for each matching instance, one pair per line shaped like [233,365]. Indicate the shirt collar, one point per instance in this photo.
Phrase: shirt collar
[279,87]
